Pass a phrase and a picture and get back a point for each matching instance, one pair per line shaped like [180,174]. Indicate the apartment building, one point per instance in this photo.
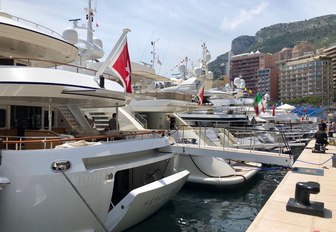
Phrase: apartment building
[331,52]
[259,72]
[306,75]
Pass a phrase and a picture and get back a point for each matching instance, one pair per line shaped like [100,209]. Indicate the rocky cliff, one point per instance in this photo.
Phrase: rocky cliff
[321,31]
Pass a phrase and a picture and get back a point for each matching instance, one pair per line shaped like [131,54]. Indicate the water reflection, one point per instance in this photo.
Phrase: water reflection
[199,209]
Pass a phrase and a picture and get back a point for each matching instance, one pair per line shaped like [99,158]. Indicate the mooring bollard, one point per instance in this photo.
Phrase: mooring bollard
[301,202]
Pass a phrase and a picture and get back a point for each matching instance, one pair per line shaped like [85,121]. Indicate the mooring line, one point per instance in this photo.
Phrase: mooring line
[85,202]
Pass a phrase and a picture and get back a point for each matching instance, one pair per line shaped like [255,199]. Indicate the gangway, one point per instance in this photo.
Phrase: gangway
[269,158]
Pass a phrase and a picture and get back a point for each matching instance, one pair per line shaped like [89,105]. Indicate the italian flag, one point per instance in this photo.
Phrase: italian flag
[257,104]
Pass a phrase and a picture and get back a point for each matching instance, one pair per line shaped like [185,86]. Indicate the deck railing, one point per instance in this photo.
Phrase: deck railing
[32,62]
[47,142]
[32,24]
[234,137]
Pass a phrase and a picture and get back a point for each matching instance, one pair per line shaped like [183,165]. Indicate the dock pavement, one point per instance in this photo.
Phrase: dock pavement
[309,166]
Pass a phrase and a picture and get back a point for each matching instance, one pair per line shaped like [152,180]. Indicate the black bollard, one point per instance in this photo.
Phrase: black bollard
[301,202]
[303,191]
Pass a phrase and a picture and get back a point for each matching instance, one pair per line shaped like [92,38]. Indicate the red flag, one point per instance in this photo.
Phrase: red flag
[262,108]
[200,95]
[257,104]
[256,109]
[123,66]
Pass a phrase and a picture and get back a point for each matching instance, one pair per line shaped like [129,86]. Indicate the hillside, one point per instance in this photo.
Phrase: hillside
[321,31]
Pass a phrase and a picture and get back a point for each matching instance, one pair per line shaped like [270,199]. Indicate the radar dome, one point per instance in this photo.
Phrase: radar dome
[70,35]
[198,71]
[237,81]
[182,68]
[267,97]
[242,84]
[98,42]
[207,56]
[210,75]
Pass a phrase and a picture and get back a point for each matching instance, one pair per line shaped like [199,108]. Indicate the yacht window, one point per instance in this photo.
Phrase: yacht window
[2,118]
[6,62]
[25,118]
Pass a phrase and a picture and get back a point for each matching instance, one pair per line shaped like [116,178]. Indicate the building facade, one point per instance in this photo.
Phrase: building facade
[268,82]
[258,71]
[331,52]
[306,76]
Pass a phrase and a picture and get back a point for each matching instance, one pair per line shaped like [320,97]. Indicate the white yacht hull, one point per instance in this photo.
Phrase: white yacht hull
[146,199]
[41,199]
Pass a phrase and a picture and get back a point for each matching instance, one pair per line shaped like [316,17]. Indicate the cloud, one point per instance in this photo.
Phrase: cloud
[243,17]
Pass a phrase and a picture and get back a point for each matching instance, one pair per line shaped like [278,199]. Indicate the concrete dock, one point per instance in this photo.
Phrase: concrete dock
[316,167]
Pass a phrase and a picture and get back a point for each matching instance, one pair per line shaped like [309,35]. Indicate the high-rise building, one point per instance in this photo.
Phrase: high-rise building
[331,52]
[258,71]
[306,76]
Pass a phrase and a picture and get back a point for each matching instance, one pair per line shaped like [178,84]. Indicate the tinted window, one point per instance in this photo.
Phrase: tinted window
[2,118]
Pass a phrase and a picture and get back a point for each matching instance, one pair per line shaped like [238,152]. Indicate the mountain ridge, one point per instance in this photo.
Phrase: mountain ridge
[320,31]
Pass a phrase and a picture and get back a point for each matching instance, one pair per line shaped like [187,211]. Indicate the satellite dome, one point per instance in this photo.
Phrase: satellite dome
[98,42]
[210,75]
[182,68]
[242,84]
[70,35]
[267,97]
[237,81]
[198,71]
[207,56]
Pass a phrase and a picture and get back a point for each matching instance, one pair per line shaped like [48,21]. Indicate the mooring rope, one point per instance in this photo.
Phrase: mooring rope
[85,202]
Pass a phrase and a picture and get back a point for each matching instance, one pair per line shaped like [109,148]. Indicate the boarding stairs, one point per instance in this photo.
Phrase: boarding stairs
[65,111]
[76,120]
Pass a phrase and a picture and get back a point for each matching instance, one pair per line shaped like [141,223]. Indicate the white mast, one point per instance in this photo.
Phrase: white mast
[89,18]
[153,53]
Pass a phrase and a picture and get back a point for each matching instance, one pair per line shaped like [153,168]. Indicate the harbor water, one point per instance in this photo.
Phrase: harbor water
[200,209]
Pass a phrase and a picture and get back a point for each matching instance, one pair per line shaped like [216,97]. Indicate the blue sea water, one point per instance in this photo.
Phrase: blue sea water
[199,209]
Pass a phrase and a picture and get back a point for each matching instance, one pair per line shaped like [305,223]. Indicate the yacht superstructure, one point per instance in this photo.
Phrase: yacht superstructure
[53,161]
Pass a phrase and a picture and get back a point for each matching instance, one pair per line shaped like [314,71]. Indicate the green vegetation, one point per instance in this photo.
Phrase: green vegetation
[320,31]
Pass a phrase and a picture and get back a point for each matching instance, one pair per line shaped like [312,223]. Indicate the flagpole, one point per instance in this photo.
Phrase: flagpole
[111,55]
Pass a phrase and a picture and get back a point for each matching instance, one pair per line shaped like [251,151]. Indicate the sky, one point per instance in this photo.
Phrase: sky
[178,27]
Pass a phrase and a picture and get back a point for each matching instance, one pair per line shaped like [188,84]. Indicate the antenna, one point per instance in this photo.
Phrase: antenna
[153,52]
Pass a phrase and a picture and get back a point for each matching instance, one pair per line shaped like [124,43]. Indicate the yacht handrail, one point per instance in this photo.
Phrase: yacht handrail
[56,64]
[282,144]
[18,141]
[18,19]
[140,119]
